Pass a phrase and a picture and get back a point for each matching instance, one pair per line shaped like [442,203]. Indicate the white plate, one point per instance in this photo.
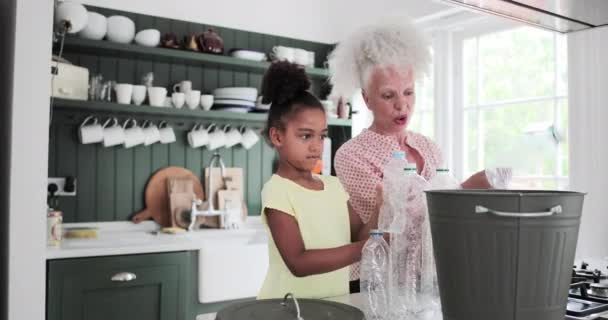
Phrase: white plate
[244,93]
[237,110]
[249,55]
[236,102]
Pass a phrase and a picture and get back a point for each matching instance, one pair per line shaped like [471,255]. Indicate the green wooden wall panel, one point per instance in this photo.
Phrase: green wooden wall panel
[111,181]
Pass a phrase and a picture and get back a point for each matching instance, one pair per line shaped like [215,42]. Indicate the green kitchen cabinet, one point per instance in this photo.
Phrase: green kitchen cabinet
[132,287]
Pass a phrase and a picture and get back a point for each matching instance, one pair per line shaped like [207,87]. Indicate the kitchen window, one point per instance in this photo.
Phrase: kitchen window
[512,103]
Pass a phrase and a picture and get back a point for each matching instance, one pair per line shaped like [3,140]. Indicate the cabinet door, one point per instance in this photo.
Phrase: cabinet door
[150,287]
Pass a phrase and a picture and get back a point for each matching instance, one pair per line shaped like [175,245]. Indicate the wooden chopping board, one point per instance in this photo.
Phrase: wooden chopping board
[157,197]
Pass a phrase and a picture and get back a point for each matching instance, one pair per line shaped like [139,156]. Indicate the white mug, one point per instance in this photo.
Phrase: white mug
[133,135]
[167,135]
[157,95]
[90,132]
[198,136]
[300,56]
[248,137]
[151,133]
[217,137]
[284,53]
[233,136]
[139,94]
[183,87]
[207,101]
[178,99]
[193,99]
[124,92]
[112,135]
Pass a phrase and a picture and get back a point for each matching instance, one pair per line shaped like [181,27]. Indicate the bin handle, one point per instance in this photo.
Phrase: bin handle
[552,211]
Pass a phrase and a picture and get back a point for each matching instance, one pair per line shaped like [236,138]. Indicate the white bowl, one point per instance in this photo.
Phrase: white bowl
[96,28]
[148,38]
[120,29]
[244,93]
[249,55]
[73,12]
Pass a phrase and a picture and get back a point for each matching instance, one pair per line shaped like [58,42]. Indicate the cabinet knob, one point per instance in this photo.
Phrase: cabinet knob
[124,276]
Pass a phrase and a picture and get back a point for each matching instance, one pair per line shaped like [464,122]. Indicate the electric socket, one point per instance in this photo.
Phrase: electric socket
[60,182]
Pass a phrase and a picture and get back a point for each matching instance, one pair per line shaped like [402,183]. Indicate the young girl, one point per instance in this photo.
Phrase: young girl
[315,235]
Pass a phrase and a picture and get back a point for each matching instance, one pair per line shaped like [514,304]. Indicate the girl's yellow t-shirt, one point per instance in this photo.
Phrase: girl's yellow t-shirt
[323,220]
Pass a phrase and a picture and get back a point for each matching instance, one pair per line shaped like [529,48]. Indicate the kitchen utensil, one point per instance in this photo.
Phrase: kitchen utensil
[157,95]
[289,308]
[183,86]
[148,38]
[239,93]
[211,42]
[217,137]
[139,94]
[112,134]
[232,181]
[90,131]
[248,55]
[283,53]
[206,101]
[198,136]
[151,133]
[124,92]
[519,243]
[157,197]
[193,99]
[134,135]
[167,135]
[233,136]
[248,137]
[96,27]
[178,99]
[300,56]
[71,16]
[120,29]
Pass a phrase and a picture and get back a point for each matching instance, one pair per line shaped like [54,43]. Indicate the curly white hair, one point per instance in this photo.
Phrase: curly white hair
[389,43]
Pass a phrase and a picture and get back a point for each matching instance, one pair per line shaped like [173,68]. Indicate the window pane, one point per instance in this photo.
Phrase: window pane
[423,122]
[469,56]
[563,131]
[531,183]
[471,145]
[562,64]
[516,136]
[424,94]
[516,64]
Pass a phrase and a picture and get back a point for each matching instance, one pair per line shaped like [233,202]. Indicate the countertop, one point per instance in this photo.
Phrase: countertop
[355,300]
[124,237]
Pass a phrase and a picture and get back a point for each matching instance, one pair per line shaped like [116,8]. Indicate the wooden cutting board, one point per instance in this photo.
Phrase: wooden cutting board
[157,197]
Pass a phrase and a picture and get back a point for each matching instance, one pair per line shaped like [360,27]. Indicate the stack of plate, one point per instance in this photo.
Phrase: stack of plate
[234,99]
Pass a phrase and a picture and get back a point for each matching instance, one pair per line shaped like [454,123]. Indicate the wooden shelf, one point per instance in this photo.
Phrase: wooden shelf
[107,48]
[115,108]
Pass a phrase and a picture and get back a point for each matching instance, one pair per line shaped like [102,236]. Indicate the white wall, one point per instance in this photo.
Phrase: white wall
[312,20]
[588,129]
[30,116]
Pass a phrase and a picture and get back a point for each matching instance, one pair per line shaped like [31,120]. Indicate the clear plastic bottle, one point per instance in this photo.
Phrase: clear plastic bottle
[392,185]
[374,277]
[405,248]
[443,179]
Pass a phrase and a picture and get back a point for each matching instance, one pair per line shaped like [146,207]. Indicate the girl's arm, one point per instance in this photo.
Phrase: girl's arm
[358,229]
[301,262]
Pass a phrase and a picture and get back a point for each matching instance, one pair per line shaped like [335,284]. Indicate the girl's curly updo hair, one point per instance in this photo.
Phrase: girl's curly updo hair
[286,87]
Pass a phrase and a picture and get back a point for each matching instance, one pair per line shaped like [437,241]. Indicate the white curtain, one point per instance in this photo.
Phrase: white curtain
[588,131]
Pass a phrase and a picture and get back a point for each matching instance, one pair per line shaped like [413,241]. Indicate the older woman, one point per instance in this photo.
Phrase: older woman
[384,61]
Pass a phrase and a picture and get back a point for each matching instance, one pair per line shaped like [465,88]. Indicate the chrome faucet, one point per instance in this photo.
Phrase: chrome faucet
[216,159]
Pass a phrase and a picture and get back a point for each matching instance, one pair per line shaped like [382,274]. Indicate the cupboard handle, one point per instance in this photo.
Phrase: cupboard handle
[124,277]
